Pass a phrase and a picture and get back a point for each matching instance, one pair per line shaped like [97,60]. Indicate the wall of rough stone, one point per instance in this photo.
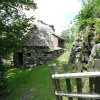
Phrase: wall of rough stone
[55,41]
[38,56]
[82,46]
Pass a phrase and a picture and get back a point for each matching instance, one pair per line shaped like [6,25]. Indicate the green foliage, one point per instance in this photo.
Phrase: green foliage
[68,45]
[69,34]
[97,25]
[13,26]
[88,19]
[97,39]
[88,14]
[36,80]
[66,35]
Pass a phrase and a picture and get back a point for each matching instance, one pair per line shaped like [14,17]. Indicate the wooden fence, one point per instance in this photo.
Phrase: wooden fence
[93,75]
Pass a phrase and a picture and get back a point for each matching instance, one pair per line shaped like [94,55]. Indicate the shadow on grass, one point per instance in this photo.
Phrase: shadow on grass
[31,83]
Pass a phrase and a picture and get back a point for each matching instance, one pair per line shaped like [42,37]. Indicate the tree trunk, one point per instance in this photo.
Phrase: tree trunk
[3,84]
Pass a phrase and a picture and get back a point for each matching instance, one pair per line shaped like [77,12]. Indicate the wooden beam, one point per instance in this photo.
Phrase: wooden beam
[76,75]
[55,82]
[90,65]
[79,86]
[97,64]
[68,82]
[89,96]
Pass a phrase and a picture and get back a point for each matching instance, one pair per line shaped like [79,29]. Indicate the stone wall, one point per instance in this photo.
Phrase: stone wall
[55,41]
[33,56]
[82,46]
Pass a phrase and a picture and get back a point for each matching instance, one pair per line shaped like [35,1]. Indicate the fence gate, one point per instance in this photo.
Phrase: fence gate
[93,76]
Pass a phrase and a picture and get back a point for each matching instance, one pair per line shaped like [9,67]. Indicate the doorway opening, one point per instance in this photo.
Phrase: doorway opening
[20,58]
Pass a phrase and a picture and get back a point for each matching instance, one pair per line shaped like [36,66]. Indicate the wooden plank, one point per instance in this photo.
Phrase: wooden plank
[65,67]
[90,65]
[69,89]
[55,82]
[76,75]
[53,68]
[97,85]
[79,80]
[89,96]
[68,82]
[52,71]
[78,66]
[97,64]
[55,88]
[58,88]
[79,86]
[97,79]
[91,85]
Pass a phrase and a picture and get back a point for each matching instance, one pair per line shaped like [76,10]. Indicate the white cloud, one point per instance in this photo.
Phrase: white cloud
[53,11]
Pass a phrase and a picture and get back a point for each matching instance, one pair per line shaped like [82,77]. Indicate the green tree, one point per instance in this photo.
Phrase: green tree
[88,19]
[69,34]
[89,14]
[13,26]
[66,35]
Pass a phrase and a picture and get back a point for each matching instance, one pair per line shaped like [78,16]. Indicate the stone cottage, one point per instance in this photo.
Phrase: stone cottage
[39,46]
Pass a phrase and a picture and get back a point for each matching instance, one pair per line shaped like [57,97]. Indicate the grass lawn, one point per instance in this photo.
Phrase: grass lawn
[31,83]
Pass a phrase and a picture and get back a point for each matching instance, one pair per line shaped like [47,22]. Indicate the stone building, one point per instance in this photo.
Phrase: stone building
[39,46]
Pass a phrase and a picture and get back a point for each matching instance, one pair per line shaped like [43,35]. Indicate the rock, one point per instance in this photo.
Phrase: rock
[82,46]
[95,53]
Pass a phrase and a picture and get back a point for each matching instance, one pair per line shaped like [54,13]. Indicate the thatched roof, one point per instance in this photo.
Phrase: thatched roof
[41,37]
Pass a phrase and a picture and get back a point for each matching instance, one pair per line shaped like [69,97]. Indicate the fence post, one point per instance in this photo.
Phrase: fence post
[90,68]
[90,65]
[97,64]
[97,79]
[68,82]
[78,66]
[56,83]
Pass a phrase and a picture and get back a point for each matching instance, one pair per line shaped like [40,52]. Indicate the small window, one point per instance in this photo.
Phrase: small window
[28,54]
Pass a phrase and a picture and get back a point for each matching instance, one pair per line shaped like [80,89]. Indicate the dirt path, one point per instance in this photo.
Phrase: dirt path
[64,57]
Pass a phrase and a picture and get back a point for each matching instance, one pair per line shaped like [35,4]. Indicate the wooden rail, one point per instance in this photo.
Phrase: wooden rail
[89,96]
[76,75]
[93,76]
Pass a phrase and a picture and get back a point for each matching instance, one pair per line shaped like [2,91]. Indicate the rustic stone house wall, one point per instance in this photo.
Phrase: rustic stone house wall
[39,46]
[55,40]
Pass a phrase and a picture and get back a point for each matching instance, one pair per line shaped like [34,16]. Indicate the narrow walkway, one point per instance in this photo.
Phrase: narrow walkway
[64,57]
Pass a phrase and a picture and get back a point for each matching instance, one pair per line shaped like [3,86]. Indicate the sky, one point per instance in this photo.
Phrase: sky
[56,12]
